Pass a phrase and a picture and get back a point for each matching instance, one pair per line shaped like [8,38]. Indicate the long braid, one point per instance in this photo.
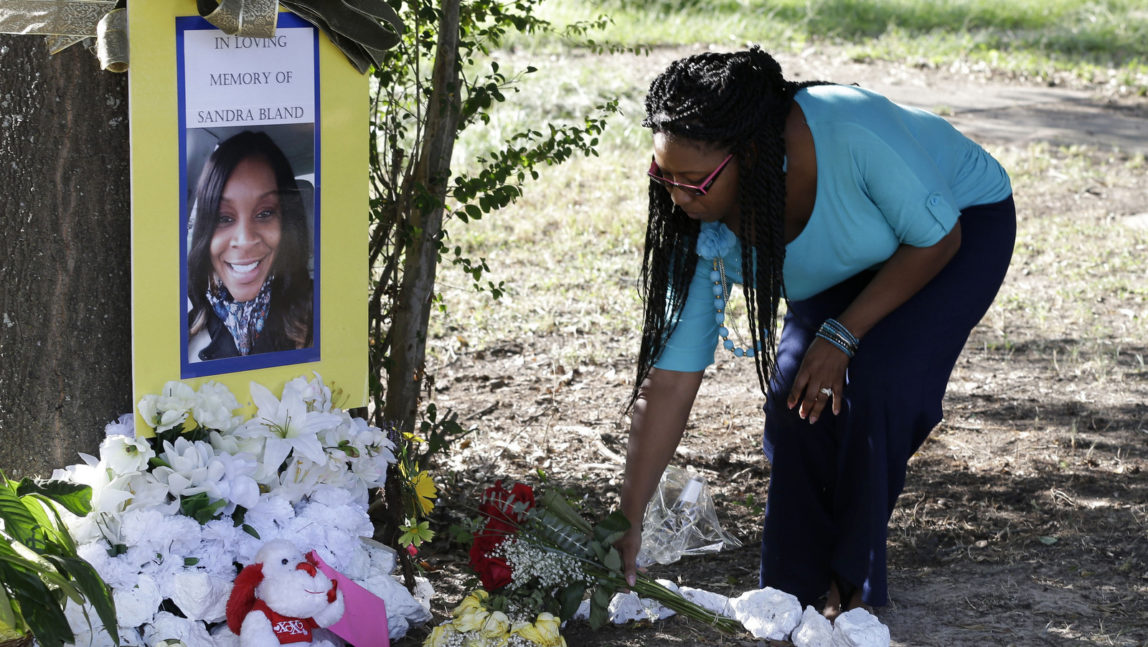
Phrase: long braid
[738,102]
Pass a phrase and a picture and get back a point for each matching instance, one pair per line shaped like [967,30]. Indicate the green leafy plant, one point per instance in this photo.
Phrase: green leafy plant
[39,567]
[435,83]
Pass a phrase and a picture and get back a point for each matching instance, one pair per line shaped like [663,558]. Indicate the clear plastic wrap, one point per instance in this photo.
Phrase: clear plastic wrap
[681,520]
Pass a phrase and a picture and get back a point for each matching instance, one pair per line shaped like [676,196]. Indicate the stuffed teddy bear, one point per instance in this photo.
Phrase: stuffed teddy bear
[281,598]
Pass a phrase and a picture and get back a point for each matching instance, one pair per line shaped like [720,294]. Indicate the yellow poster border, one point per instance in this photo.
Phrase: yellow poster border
[155,178]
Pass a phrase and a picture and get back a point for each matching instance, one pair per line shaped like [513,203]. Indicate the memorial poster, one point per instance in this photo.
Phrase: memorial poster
[249,204]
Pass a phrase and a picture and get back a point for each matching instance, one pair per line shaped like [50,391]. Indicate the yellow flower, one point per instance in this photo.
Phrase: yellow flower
[423,486]
[544,631]
[425,490]
[471,619]
[439,635]
[497,626]
[472,601]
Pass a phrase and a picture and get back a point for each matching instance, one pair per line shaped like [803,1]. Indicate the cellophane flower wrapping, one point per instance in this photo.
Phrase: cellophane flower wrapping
[174,514]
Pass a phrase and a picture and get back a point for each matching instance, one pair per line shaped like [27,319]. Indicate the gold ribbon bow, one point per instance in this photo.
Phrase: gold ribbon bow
[362,29]
[253,18]
[67,22]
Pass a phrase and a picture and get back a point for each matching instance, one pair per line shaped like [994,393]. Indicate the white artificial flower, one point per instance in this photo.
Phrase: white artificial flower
[125,425]
[168,409]
[167,626]
[125,455]
[315,394]
[299,479]
[214,406]
[266,517]
[286,425]
[87,630]
[187,464]
[232,444]
[194,467]
[146,492]
[237,484]
[104,498]
[137,605]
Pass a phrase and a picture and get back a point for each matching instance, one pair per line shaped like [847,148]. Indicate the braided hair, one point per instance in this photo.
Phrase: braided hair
[738,102]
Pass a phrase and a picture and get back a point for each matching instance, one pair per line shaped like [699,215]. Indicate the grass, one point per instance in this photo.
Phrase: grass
[1103,42]
[569,250]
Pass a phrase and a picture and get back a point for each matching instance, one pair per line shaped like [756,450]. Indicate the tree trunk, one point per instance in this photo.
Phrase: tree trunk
[412,308]
[65,301]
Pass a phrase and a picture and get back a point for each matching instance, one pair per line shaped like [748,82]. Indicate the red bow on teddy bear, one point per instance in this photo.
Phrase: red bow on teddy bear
[281,598]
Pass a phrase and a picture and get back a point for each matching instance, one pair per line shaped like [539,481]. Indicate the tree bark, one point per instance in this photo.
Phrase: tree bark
[412,308]
[65,301]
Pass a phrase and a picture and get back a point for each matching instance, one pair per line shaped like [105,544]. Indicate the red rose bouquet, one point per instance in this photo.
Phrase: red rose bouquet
[541,556]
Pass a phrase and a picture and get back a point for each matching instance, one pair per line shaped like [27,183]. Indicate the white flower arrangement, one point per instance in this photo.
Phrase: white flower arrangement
[174,515]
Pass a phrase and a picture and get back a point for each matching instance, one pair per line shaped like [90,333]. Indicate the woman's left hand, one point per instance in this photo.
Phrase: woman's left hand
[822,368]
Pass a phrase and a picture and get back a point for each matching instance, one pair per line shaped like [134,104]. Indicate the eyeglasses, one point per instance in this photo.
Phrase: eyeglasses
[655,174]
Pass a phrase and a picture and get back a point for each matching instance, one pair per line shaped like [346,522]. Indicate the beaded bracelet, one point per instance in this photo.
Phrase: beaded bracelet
[837,334]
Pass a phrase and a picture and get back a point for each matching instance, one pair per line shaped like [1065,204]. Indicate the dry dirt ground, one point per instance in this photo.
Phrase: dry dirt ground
[1025,517]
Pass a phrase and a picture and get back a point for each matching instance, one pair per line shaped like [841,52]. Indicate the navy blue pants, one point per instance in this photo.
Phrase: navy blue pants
[833,484]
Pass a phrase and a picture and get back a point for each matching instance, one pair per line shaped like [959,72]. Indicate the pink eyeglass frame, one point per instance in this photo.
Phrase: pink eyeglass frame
[699,190]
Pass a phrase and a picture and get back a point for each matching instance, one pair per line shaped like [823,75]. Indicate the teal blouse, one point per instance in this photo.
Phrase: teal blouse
[887,175]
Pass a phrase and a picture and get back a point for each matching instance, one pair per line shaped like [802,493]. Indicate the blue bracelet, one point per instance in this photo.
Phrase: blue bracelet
[840,329]
[836,343]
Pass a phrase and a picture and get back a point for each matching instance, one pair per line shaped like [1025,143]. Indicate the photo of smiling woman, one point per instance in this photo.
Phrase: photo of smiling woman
[249,290]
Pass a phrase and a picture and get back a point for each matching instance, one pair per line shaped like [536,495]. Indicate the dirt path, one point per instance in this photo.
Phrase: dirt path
[1025,516]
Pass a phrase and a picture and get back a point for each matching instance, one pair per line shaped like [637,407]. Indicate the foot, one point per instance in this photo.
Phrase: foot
[832,607]
[835,605]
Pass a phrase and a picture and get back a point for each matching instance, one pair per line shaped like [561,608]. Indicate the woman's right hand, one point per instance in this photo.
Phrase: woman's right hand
[628,546]
[658,421]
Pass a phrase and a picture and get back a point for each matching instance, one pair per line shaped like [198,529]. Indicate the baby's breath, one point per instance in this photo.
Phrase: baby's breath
[536,567]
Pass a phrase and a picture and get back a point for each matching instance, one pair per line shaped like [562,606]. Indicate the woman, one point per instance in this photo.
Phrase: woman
[248,283]
[887,232]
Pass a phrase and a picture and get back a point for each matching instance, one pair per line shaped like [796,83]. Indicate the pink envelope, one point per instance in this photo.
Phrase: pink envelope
[364,622]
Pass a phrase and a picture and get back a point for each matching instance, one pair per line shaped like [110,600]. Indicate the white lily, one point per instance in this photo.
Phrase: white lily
[286,425]
[299,479]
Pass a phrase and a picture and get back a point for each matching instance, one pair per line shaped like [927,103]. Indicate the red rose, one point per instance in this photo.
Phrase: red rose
[493,571]
[505,511]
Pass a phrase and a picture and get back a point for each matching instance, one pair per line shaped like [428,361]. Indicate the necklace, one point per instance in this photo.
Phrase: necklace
[715,240]
[721,298]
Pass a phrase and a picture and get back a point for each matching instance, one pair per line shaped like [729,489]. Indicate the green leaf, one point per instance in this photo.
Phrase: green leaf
[93,589]
[55,532]
[600,604]
[200,507]
[251,531]
[611,528]
[37,606]
[571,599]
[557,504]
[75,498]
[18,519]
[7,613]
[613,560]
